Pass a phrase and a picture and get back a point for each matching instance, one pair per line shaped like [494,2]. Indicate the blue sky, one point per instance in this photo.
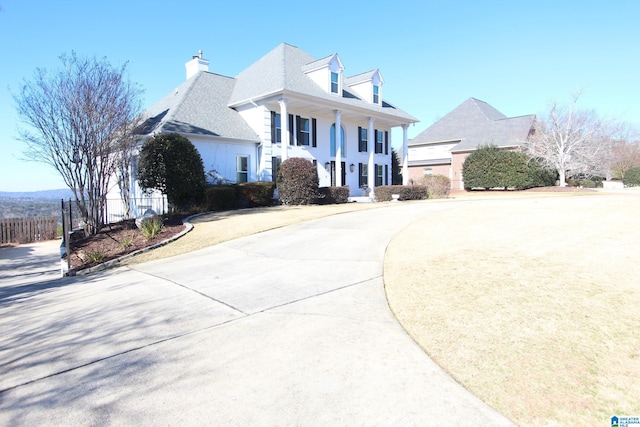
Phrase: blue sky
[433,55]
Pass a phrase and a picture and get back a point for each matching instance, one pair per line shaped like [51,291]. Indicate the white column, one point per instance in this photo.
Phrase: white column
[284,126]
[338,139]
[405,156]
[371,142]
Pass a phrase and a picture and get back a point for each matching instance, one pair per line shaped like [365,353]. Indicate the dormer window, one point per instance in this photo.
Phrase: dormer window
[334,82]
[367,86]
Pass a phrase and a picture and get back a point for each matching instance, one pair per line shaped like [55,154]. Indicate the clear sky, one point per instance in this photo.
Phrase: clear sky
[433,55]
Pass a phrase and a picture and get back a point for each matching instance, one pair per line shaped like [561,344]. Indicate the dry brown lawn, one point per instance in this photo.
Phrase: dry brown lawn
[532,304]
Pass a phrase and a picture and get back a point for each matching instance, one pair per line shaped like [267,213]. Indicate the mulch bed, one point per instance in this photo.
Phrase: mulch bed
[116,240]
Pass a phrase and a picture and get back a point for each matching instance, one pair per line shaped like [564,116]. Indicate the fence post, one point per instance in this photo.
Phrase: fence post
[65,245]
[70,217]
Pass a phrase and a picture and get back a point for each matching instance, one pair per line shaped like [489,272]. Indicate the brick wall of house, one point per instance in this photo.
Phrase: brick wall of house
[417,172]
[457,160]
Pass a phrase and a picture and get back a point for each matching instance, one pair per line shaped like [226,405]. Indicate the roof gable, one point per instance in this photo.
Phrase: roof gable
[283,69]
[333,62]
[278,70]
[475,123]
[199,106]
[373,76]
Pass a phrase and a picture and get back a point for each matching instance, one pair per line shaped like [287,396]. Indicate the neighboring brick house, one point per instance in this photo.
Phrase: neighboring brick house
[442,148]
[286,104]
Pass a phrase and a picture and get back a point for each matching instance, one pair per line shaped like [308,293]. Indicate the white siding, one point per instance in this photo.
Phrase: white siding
[221,157]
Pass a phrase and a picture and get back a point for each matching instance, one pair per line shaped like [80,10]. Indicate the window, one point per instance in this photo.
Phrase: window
[376,94]
[379,141]
[275,165]
[304,130]
[242,168]
[334,82]
[332,141]
[362,144]
[276,128]
[363,174]
[428,171]
[379,174]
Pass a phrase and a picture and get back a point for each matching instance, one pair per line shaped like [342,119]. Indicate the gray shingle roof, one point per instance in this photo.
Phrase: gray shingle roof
[199,106]
[476,123]
[282,69]
[203,104]
[318,63]
[362,77]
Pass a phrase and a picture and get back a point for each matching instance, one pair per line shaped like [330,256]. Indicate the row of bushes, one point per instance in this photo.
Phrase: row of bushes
[585,183]
[236,196]
[432,187]
[298,185]
[333,195]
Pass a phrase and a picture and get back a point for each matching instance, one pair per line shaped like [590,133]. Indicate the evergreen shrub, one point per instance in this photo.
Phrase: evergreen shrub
[632,177]
[492,167]
[219,197]
[256,194]
[297,182]
[333,195]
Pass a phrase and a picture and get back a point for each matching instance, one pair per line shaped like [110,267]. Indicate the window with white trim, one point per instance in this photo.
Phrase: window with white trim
[362,140]
[376,94]
[335,83]
[379,175]
[363,179]
[242,169]
[379,141]
[304,131]
[276,127]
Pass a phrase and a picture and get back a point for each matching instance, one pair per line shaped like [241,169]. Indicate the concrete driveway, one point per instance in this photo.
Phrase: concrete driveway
[286,327]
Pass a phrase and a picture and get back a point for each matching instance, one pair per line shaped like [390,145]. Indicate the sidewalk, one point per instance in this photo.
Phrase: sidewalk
[30,263]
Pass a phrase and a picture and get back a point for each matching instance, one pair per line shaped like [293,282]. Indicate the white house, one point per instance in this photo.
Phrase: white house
[286,104]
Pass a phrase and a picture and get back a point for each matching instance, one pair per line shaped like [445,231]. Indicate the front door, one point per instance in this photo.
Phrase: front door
[333,173]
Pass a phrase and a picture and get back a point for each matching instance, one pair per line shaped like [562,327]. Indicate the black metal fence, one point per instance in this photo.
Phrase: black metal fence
[115,210]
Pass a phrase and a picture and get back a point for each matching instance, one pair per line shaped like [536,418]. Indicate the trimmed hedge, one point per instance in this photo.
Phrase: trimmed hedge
[255,194]
[333,195]
[632,177]
[297,182]
[244,195]
[493,167]
[406,192]
[219,198]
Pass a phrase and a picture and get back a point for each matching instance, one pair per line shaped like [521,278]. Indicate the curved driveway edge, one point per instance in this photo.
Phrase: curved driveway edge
[286,327]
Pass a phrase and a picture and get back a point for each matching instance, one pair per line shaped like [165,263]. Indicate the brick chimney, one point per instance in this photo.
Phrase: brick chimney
[196,65]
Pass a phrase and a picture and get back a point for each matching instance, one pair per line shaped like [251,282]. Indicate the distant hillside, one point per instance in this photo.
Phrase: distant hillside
[32,203]
[64,193]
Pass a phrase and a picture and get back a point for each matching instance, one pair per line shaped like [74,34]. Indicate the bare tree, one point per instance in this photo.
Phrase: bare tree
[573,141]
[78,119]
[625,155]
[127,147]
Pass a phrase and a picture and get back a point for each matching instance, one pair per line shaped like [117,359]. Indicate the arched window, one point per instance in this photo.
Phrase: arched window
[332,139]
